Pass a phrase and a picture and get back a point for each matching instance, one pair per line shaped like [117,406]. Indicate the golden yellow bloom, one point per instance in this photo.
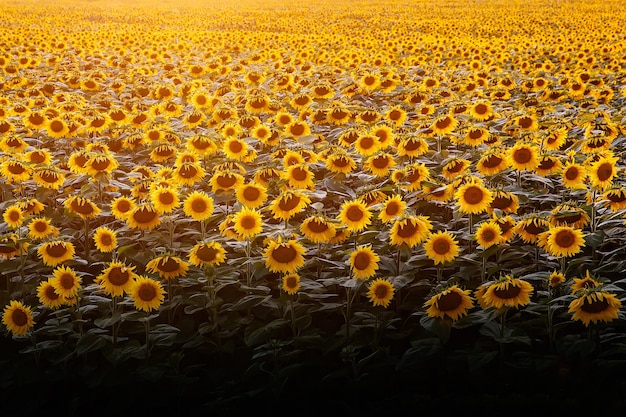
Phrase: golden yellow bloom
[289,203]
[18,318]
[355,215]
[164,199]
[380,292]
[121,207]
[168,266]
[555,279]
[487,234]
[523,157]
[117,279]
[410,230]
[473,198]
[143,217]
[247,223]
[451,301]
[392,208]
[48,297]
[81,206]
[594,305]
[147,294]
[507,292]
[441,247]
[317,229]
[13,216]
[291,283]
[65,281]
[207,253]
[364,262]
[55,252]
[286,257]
[105,239]
[198,205]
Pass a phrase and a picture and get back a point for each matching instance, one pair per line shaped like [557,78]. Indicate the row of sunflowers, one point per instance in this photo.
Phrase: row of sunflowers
[228,186]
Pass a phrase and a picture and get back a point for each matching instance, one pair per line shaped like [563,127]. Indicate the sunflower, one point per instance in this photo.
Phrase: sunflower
[444,125]
[207,253]
[317,229]
[505,201]
[594,305]
[488,233]
[602,172]
[451,301]
[569,215]
[481,110]
[289,203]
[364,262]
[297,129]
[167,266]
[530,228]
[555,279]
[366,144]
[291,283]
[116,279]
[355,215]
[299,176]
[247,223]
[55,252]
[251,195]
[380,292]
[15,171]
[473,198]
[392,208]
[48,297]
[555,139]
[615,198]
[41,228]
[105,239]
[235,148]
[410,230]
[380,164]
[65,281]
[523,157]
[81,206]
[492,162]
[340,162]
[586,282]
[143,217]
[455,168]
[164,199]
[507,291]
[49,177]
[188,173]
[121,207]
[338,114]
[18,318]
[147,294]
[201,145]
[441,247]
[475,136]
[564,241]
[573,175]
[286,257]
[13,216]
[226,180]
[526,122]
[57,128]
[198,205]
[396,115]
[548,164]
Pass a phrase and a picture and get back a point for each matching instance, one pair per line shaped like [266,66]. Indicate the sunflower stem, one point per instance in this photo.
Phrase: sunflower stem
[471,230]
[439,273]
[294,330]
[114,327]
[147,327]
[87,246]
[483,270]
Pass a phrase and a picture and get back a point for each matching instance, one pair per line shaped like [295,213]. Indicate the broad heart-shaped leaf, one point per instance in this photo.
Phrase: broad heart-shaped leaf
[595,239]
[89,342]
[249,301]
[260,335]
[104,322]
[438,326]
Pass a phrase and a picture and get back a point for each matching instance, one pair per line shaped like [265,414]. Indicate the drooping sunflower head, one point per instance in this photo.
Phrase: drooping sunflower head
[55,252]
[188,173]
[122,206]
[48,297]
[207,253]
[167,266]
[594,305]
[289,203]
[507,291]
[143,217]
[81,206]
[452,302]
[530,227]
[317,229]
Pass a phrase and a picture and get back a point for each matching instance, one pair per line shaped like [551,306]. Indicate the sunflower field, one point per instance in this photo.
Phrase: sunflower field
[357,206]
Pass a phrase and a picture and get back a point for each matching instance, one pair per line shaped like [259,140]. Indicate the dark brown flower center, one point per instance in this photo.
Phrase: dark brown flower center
[284,254]
[381,292]
[206,253]
[473,195]
[168,265]
[299,174]
[605,171]
[144,215]
[147,292]
[564,238]
[366,142]
[19,317]
[289,203]
[50,293]
[492,161]
[56,249]
[522,156]
[572,173]
[408,229]
[362,261]
[441,246]
[226,180]
[510,291]
[67,281]
[117,276]
[354,213]
[450,301]
[594,307]
[317,226]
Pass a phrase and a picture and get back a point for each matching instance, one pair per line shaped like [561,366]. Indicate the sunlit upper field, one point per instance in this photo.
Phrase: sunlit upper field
[381,183]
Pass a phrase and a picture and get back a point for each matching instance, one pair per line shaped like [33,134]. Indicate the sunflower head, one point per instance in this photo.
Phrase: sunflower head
[450,301]
[18,318]
[381,292]
[594,305]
